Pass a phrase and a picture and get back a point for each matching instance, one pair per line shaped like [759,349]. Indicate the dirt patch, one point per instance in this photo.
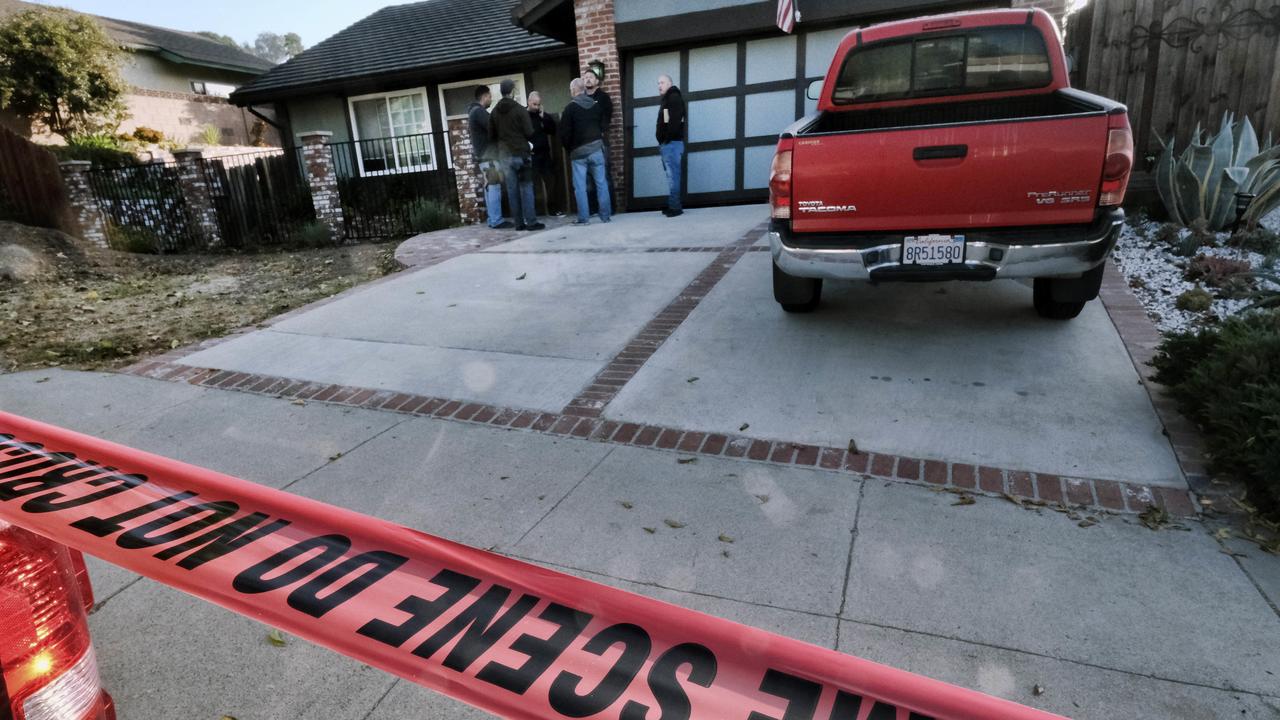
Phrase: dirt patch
[92,309]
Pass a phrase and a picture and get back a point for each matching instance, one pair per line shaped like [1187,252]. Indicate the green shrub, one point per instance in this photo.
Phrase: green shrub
[210,135]
[147,135]
[1196,299]
[102,149]
[428,215]
[1215,271]
[1259,240]
[1227,379]
[128,238]
[312,235]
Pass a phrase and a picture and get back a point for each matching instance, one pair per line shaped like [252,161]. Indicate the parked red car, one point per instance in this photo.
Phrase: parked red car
[951,148]
[47,665]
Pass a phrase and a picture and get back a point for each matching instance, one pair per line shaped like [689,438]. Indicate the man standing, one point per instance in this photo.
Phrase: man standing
[478,125]
[591,79]
[671,141]
[510,130]
[580,132]
[544,128]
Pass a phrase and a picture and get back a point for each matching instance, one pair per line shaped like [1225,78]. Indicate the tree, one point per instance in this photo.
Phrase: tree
[276,48]
[61,69]
[218,37]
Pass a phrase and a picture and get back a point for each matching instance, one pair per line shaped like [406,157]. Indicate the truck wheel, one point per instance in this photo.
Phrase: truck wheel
[1064,298]
[796,294]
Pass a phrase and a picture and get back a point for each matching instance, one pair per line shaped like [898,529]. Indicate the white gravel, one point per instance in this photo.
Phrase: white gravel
[1156,275]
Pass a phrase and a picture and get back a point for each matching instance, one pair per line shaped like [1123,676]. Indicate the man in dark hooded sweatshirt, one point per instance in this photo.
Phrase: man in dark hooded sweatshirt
[670,136]
[478,125]
[511,131]
[580,126]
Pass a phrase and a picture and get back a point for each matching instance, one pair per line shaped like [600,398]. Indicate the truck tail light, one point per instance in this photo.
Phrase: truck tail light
[47,666]
[780,181]
[1117,165]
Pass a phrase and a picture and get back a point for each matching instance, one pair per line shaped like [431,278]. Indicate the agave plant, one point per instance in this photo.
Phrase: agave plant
[1202,182]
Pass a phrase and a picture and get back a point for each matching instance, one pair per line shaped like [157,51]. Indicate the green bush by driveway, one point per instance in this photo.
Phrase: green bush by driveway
[1227,379]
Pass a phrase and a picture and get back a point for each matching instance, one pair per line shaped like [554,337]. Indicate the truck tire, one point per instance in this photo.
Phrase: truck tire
[796,294]
[1063,299]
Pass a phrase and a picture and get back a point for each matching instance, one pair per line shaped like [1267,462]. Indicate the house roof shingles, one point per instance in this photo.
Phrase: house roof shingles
[401,39]
[183,46]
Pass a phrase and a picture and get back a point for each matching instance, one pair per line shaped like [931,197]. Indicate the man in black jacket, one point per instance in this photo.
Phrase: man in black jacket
[544,128]
[511,130]
[580,132]
[478,126]
[591,79]
[671,141]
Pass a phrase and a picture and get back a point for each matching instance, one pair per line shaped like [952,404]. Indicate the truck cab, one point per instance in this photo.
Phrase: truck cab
[951,148]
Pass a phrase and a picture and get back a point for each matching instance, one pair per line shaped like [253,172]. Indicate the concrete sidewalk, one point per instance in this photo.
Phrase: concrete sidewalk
[1113,620]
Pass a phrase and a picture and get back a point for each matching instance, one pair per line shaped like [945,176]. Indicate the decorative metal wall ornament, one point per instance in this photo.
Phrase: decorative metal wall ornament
[1214,27]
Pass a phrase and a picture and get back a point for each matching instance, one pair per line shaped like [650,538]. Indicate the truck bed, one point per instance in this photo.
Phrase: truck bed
[1048,105]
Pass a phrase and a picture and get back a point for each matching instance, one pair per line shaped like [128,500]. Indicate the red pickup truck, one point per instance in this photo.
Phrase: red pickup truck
[951,148]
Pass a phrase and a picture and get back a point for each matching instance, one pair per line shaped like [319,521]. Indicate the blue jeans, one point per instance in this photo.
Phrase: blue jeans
[518,177]
[492,196]
[594,163]
[672,160]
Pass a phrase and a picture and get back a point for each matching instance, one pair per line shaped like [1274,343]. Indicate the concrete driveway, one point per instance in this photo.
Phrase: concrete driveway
[955,373]
[1112,620]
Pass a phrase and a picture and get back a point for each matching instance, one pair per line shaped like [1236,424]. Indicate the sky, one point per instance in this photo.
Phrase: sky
[314,20]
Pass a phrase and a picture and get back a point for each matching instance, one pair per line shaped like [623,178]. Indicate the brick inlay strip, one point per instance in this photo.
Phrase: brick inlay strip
[606,385]
[1038,489]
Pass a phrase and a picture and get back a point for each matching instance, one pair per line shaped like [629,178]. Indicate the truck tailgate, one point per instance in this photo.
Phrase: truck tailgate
[987,174]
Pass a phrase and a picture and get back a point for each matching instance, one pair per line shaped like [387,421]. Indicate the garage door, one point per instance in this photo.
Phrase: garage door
[740,95]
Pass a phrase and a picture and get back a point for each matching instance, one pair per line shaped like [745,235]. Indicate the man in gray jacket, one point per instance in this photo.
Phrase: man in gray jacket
[580,131]
[478,126]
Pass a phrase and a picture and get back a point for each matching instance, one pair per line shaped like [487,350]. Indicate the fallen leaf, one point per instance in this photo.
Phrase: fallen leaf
[1037,690]
[421,292]
[1087,523]
[335,456]
[626,504]
[686,461]
[964,500]
[275,637]
[763,499]
[693,379]
[504,477]
[724,553]
[523,276]
[853,447]
[1154,518]
[650,530]
[673,523]
[1015,500]
[725,538]
[299,402]
[743,426]
[42,380]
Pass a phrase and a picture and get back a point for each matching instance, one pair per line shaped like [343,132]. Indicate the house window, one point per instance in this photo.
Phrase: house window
[456,96]
[222,90]
[392,132]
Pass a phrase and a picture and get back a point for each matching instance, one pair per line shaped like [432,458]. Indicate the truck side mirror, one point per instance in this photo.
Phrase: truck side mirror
[814,91]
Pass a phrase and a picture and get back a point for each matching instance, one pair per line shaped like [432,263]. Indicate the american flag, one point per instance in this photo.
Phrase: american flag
[787,15]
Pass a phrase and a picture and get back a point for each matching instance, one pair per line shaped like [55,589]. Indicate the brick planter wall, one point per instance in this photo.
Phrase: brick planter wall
[317,159]
[466,173]
[201,213]
[597,40]
[90,225]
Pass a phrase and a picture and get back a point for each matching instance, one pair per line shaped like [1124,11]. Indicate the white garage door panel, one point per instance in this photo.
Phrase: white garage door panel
[711,171]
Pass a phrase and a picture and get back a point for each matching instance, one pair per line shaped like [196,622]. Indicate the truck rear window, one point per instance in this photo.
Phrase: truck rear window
[1008,57]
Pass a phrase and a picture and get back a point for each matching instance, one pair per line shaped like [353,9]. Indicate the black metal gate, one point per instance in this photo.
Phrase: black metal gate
[387,185]
[145,208]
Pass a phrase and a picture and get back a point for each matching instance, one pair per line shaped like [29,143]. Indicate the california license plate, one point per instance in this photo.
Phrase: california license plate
[932,249]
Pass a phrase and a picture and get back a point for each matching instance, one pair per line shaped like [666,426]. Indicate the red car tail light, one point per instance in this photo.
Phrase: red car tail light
[47,665]
[780,181]
[1118,164]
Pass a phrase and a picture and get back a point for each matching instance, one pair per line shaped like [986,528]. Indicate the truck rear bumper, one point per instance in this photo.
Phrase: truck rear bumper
[1005,253]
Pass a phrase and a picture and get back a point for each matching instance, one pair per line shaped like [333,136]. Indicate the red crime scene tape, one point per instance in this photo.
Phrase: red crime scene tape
[505,636]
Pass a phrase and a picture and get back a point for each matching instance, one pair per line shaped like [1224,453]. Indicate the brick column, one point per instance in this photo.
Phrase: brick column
[466,173]
[90,225]
[198,196]
[322,178]
[597,40]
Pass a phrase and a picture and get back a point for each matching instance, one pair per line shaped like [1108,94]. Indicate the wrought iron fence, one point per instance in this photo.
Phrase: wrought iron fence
[145,208]
[388,185]
[261,198]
